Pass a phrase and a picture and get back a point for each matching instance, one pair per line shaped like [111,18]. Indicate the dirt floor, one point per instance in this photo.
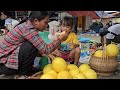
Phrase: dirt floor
[116,75]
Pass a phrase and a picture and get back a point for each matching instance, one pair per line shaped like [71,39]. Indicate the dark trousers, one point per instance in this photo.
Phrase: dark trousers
[26,56]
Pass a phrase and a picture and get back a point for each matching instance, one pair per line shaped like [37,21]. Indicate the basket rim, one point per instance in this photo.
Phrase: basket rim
[34,76]
[101,57]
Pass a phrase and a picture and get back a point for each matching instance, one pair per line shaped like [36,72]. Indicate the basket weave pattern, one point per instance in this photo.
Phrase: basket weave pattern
[36,75]
[102,67]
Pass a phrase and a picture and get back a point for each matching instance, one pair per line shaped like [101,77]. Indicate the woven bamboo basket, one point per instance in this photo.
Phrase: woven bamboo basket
[104,66]
[36,75]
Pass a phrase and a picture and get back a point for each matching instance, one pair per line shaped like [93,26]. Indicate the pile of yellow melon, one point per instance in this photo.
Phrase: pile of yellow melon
[112,50]
[59,69]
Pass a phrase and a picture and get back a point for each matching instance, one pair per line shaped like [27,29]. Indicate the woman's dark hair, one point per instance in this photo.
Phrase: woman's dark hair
[67,21]
[40,15]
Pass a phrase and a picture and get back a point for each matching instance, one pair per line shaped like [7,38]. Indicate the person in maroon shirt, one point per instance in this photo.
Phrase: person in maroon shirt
[23,43]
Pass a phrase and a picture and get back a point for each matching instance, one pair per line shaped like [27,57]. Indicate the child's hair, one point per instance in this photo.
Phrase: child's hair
[40,15]
[67,21]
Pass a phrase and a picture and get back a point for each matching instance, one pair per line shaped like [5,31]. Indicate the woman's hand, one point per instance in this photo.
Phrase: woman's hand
[58,34]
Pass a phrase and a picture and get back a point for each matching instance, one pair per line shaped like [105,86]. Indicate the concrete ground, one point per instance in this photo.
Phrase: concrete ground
[116,75]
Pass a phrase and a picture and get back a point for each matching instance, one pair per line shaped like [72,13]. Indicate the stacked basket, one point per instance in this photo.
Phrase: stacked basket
[104,66]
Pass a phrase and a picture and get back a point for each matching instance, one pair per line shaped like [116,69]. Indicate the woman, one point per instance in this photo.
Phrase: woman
[22,44]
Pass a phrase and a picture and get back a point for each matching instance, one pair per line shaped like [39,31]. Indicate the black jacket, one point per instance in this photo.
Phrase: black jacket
[2,22]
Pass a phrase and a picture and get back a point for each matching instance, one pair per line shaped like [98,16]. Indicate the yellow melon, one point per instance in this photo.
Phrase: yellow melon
[80,76]
[60,33]
[90,74]
[64,75]
[98,53]
[52,72]
[72,66]
[48,76]
[112,50]
[73,72]
[59,64]
[83,67]
[47,68]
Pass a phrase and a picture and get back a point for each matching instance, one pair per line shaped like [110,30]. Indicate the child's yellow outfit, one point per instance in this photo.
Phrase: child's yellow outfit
[72,38]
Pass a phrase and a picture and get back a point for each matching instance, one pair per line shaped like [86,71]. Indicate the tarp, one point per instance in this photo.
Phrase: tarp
[84,13]
[104,14]
[86,40]
[44,36]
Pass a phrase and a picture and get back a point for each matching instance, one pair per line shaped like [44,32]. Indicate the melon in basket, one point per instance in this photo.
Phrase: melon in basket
[73,72]
[59,64]
[72,66]
[83,67]
[80,76]
[48,76]
[112,50]
[90,74]
[47,68]
[98,53]
[52,72]
[64,75]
